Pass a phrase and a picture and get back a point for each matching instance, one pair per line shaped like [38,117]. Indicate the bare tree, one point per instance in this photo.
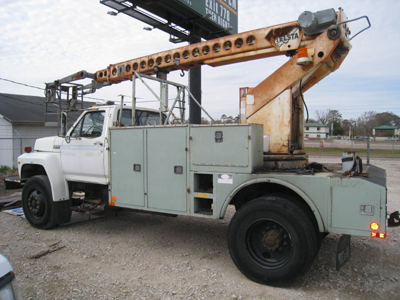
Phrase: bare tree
[322,116]
[370,119]
[329,117]
[310,120]
[205,120]
[347,125]
[366,122]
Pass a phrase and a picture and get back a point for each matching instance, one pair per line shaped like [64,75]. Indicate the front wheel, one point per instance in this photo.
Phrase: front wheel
[37,202]
[272,240]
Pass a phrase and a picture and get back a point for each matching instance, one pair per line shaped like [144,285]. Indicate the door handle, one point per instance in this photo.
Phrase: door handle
[98,143]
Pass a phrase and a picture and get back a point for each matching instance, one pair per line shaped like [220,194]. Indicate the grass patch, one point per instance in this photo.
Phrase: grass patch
[362,152]
[6,170]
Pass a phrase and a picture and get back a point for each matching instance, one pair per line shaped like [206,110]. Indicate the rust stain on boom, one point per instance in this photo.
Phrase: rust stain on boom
[77,76]
[290,73]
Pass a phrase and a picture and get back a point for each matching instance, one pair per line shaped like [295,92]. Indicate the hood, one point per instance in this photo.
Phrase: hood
[48,144]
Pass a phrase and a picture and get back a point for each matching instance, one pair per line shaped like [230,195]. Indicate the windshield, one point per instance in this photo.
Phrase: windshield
[142,118]
[90,125]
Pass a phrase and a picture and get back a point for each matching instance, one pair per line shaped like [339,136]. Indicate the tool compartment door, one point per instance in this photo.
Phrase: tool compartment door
[167,168]
[128,168]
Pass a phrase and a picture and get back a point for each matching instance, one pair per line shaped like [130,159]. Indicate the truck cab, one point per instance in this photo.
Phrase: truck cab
[83,150]
[78,162]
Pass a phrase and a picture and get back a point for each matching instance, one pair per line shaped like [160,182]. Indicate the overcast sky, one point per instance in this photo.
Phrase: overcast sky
[43,40]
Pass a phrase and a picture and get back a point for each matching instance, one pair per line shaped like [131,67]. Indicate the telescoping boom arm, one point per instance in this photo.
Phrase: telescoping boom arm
[283,39]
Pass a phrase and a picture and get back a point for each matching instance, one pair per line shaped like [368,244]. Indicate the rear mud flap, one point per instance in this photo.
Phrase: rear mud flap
[394,219]
[343,251]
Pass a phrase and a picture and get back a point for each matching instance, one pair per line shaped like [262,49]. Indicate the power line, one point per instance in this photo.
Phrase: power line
[31,86]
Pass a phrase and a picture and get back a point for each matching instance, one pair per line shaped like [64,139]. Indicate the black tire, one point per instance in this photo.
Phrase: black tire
[37,202]
[272,240]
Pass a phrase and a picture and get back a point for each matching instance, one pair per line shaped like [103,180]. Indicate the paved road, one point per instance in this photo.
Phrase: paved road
[354,144]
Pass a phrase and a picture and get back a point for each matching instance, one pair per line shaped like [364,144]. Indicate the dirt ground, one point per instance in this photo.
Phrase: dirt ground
[128,255]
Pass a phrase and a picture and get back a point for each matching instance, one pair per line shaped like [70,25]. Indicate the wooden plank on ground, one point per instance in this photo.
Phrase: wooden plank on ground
[11,198]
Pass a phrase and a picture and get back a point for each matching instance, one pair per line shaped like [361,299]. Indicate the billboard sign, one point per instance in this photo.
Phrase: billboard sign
[224,13]
[212,18]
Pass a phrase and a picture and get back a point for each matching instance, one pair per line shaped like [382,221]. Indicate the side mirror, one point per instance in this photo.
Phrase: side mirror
[68,139]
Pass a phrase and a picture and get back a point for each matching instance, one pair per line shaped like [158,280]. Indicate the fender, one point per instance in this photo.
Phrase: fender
[52,164]
[295,189]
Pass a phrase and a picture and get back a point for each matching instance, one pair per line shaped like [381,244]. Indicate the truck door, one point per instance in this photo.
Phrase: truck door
[82,152]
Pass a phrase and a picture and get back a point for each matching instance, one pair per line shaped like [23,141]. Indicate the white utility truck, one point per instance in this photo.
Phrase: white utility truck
[126,157]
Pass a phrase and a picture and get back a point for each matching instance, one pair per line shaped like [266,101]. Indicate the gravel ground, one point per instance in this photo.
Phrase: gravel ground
[138,256]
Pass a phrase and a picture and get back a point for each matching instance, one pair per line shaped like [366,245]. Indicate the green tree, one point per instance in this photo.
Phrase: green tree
[387,118]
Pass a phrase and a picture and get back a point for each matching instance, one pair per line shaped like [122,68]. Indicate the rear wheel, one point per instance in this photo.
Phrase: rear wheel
[272,240]
[37,202]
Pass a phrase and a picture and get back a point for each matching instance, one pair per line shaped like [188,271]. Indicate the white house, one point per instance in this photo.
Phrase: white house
[316,131]
[22,121]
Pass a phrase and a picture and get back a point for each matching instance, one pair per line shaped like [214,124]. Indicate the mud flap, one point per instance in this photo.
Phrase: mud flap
[63,211]
[394,219]
[343,251]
